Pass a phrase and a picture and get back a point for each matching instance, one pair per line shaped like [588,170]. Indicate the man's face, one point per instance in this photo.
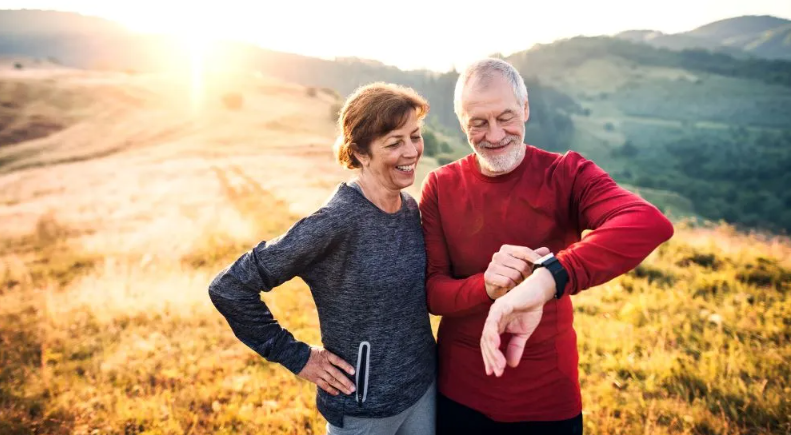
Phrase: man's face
[494,122]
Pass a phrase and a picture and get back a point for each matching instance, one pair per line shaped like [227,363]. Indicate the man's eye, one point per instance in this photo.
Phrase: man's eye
[506,119]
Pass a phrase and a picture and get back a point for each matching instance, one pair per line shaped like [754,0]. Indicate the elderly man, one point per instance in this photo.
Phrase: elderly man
[505,256]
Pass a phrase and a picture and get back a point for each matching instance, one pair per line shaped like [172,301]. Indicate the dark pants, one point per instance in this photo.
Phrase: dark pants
[455,418]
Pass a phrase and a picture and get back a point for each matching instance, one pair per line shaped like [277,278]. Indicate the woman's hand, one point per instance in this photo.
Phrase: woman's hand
[324,369]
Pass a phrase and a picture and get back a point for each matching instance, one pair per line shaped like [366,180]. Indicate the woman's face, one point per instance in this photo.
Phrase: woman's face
[393,157]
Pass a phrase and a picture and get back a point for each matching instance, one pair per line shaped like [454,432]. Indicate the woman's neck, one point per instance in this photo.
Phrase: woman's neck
[386,199]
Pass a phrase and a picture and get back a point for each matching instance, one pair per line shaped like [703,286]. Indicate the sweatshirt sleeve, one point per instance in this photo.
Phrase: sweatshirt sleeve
[236,291]
[445,294]
[626,228]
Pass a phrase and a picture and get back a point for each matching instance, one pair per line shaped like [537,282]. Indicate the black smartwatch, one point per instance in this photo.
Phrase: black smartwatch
[556,269]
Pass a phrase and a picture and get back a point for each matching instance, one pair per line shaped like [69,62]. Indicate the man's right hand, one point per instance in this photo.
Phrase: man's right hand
[510,266]
[324,369]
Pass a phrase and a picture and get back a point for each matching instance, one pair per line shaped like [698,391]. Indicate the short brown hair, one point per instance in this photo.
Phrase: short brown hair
[370,112]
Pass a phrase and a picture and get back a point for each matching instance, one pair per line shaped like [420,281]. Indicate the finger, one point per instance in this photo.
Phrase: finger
[495,355]
[499,362]
[493,329]
[513,275]
[503,276]
[504,261]
[487,356]
[522,252]
[490,339]
[324,385]
[542,251]
[485,337]
[339,380]
[515,349]
[339,362]
[486,350]
[334,383]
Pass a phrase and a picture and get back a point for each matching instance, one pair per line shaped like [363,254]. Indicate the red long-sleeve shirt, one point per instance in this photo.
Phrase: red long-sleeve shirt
[547,201]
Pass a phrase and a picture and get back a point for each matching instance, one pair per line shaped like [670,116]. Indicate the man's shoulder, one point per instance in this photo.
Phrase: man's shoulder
[568,162]
[452,170]
[549,158]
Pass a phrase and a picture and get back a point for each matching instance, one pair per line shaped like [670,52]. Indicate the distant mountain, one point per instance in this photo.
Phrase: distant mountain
[31,22]
[763,36]
[699,132]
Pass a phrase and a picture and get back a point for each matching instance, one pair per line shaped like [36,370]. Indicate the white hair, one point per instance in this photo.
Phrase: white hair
[485,69]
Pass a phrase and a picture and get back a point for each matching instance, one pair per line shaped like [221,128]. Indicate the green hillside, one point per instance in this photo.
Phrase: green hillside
[698,133]
[712,140]
[760,36]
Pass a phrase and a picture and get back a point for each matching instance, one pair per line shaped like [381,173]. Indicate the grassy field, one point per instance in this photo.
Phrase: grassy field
[107,328]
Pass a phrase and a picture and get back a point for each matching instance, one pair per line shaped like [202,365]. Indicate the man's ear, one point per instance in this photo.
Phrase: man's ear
[462,125]
[527,111]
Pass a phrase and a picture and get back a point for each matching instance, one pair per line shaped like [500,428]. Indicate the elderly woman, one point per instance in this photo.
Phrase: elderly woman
[363,257]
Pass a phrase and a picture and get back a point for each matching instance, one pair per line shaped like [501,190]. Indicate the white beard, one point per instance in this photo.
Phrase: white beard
[500,163]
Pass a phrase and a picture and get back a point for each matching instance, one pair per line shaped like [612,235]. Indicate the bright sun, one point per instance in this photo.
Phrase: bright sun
[195,32]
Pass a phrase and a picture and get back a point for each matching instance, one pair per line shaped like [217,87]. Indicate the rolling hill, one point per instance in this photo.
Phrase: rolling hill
[688,129]
[115,222]
[762,36]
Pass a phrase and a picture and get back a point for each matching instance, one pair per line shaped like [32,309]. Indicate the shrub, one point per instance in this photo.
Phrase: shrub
[332,93]
[765,272]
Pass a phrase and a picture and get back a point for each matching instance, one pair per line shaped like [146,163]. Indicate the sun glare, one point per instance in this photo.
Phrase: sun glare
[197,46]
[195,32]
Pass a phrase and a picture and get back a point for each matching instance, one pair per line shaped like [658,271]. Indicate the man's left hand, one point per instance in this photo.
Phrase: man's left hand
[518,313]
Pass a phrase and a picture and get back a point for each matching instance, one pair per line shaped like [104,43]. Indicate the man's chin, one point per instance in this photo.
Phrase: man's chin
[498,163]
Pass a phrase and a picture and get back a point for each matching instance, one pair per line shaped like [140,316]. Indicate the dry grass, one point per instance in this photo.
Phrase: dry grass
[106,325]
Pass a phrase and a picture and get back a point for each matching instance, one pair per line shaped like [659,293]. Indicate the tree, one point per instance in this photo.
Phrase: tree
[431,146]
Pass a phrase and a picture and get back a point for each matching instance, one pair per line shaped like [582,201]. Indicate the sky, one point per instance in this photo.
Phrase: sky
[409,34]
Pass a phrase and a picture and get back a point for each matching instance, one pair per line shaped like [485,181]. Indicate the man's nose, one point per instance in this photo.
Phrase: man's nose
[495,133]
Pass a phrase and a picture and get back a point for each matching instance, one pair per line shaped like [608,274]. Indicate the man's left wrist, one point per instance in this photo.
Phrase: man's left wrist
[546,283]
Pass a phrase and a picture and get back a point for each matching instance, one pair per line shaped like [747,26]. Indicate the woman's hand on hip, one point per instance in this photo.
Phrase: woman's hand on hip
[324,369]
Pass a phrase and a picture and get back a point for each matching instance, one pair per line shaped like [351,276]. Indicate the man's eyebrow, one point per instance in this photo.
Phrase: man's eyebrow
[506,112]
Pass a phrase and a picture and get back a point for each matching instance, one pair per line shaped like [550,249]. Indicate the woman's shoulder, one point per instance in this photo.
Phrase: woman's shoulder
[335,210]
[409,201]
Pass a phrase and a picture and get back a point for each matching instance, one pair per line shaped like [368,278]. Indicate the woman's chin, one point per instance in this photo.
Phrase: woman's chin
[404,179]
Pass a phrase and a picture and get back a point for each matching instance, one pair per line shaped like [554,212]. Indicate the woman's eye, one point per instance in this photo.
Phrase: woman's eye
[415,138]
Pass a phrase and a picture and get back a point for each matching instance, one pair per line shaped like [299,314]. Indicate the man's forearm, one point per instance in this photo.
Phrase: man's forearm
[447,296]
[615,247]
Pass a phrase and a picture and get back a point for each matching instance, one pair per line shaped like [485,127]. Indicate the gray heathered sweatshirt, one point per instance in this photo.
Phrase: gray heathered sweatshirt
[366,271]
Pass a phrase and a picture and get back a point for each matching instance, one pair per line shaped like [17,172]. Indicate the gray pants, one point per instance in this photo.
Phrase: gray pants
[418,419]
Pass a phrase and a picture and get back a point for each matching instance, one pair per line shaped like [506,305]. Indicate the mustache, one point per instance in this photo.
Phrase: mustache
[506,140]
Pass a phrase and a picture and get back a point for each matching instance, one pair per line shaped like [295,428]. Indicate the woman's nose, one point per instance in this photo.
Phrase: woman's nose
[411,150]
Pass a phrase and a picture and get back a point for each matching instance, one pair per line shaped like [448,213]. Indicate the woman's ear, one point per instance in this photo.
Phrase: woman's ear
[364,159]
